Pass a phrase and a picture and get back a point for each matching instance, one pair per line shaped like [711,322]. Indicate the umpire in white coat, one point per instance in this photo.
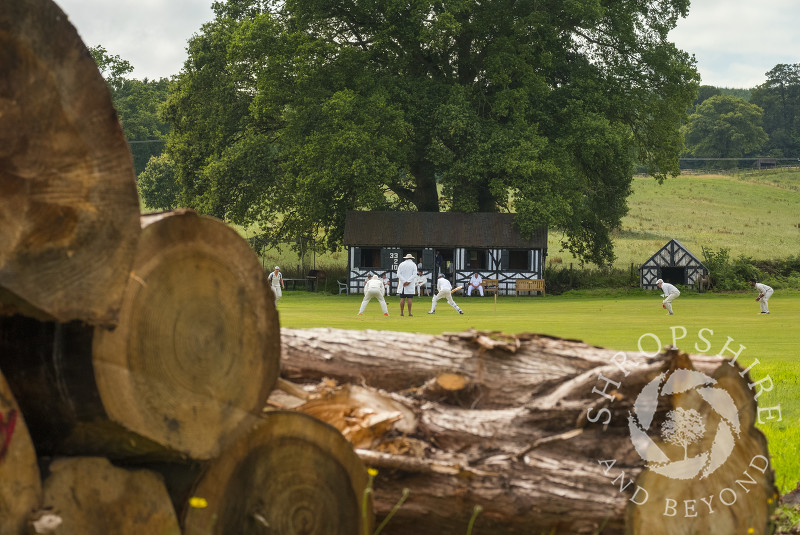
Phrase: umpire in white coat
[406,281]
[444,291]
[373,288]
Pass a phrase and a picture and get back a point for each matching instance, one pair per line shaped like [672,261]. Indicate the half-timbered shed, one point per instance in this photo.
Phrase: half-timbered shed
[486,243]
[673,263]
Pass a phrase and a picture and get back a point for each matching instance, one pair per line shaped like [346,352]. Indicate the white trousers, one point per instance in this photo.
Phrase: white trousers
[444,294]
[277,291]
[470,288]
[669,299]
[763,301]
[368,295]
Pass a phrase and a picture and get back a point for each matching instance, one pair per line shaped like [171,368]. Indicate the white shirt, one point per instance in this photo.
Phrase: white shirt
[475,280]
[667,288]
[276,281]
[763,288]
[443,285]
[375,285]
[406,272]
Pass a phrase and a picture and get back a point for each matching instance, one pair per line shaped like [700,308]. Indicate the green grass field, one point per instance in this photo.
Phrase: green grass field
[614,322]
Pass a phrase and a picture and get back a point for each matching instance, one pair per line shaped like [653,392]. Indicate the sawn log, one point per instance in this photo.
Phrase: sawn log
[552,436]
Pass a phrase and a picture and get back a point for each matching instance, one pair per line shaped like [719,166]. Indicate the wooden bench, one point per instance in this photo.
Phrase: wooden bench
[529,285]
[490,285]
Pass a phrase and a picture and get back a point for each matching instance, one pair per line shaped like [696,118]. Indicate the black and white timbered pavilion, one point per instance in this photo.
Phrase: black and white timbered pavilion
[673,263]
[487,243]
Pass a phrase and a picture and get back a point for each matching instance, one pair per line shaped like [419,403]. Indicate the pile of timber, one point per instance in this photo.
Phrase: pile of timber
[539,432]
[136,351]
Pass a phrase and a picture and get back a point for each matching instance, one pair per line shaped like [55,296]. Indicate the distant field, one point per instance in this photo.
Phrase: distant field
[615,322]
[755,214]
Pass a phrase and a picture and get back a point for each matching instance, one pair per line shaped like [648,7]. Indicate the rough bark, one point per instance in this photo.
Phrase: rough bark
[20,486]
[537,449]
[90,496]
[188,368]
[394,361]
[290,474]
[69,207]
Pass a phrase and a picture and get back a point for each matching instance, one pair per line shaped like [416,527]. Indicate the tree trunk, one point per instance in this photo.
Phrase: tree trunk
[189,366]
[495,367]
[92,497]
[290,474]
[69,207]
[562,437]
[20,486]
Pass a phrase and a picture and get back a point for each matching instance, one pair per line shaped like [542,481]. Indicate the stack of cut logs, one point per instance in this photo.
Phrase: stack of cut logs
[137,352]
[140,394]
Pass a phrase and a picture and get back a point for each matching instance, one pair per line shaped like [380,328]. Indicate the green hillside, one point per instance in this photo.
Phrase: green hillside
[755,214]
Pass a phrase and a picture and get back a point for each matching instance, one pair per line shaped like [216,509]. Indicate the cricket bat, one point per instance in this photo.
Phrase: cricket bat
[454,290]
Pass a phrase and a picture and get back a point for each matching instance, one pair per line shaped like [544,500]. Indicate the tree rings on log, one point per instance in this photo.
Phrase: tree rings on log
[197,348]
[90,496]
[293,474]
[69,209]
[20,484]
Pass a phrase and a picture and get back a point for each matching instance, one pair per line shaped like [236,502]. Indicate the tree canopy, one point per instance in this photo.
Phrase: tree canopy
[288,114]
[725,127]
[137,103]
[779,97]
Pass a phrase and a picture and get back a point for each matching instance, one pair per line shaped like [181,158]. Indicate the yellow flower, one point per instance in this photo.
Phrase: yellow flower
[197,502]
[372,471]
[750,530]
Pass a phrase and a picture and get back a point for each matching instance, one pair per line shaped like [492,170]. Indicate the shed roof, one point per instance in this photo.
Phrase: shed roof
[438,229]
[674,253]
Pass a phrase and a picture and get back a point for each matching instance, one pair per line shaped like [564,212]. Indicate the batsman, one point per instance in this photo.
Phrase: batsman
[444,290]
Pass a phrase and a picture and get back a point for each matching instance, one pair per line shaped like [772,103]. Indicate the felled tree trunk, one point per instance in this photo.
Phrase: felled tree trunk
[188,368]
[69,208]
[290,474]
[20,486]
[90,496]
[561,437]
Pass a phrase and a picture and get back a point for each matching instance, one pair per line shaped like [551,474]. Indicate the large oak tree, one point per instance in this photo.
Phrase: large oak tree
[288,114]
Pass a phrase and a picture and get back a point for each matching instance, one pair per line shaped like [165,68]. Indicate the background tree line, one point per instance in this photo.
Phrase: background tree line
[763,121]
[287,115]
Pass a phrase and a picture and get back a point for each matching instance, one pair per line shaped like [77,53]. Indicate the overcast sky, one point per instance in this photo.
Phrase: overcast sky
[735,41]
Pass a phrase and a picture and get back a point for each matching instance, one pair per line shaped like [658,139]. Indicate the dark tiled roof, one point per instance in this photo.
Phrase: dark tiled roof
[437,229]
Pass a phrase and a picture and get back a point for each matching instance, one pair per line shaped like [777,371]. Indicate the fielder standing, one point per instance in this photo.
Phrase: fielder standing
[444,291]
[276,280]
[670,294]
[764,293]
[373,288]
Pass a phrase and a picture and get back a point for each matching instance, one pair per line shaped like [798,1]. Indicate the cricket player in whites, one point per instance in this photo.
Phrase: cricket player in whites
[444,291]
[373,288]
[670,294]
[764,293]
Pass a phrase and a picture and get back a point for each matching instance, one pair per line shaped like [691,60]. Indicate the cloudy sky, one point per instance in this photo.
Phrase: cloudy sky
[735,41]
